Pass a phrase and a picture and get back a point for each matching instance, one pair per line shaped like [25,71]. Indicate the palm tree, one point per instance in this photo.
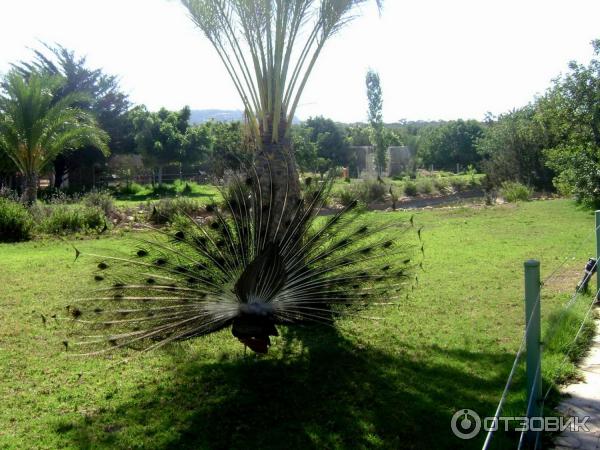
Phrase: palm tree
[269,48]
[35,127]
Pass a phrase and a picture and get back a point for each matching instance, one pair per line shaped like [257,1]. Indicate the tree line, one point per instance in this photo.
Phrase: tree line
[551,143]
[57,116]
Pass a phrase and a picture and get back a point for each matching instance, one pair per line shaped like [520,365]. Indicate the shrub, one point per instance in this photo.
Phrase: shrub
[348,195]
[187,189]
[132,188]
[57,196]
[184,187]
[442,185]
[102,200]
[9,194]
[471,173]
[562,184]
[424,186]
[410,188]
[365,192]
[162,190]
[372,191]
[459,183]
[513,191]
[59,219]
[16,223]
[165,210]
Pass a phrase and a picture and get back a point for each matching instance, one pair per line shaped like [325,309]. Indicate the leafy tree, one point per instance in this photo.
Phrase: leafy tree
[378,138]
[196,145]
[512,147]
[166,137]
[332,146]
[227,145]
[571,113]
[35,129]
[358,135]
[104,99]
[269,48]
[306,150]
[7,170]
[450,143]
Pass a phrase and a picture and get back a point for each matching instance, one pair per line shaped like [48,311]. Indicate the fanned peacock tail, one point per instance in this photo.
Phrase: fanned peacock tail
[225,272]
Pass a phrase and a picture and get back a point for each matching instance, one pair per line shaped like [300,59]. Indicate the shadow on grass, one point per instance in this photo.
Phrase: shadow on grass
[330,394]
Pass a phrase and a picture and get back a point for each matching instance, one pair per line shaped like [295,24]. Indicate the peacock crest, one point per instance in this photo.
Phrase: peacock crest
[249,266]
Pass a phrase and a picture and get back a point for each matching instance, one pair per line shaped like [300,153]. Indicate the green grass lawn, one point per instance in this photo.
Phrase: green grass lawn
[391,383]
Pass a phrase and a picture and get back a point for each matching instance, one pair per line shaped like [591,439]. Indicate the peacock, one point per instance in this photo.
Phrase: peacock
[247,266]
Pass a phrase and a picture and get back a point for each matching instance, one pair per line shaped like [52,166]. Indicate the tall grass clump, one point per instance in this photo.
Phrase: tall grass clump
[347,195]
[560,339]
[442,185]
[165,210]
[61,219]
[459,183]
[131,188]
[102,200]
[372,191]
[513,191]
[163,190]
[410,188]
[16,224]
[368,191]
[424,186]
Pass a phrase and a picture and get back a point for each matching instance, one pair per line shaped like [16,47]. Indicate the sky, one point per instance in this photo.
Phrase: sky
[437,59]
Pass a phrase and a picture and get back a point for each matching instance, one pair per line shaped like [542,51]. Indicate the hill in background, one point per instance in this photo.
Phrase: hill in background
[220,115]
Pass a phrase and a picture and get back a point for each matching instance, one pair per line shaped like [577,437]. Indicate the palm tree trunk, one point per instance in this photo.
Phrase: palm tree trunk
[30,188]
[276,168]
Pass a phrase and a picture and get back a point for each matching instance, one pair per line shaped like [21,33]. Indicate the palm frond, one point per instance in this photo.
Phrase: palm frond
[35,127]
[265,52]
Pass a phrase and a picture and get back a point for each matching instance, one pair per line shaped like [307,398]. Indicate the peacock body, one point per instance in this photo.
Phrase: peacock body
[246,266]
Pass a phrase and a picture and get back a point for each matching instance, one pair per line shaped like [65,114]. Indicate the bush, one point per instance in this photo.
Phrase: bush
[348,195]
[365,192]
[184,187]
[410,188]
[59,219]
[132,188]
[372,191]
[57,196]
[442,185]
[187,189]
[424,186]
[162,190]
[9,194]
[102,200]
[459,183]
[165,210]
[513,191]
[16,223]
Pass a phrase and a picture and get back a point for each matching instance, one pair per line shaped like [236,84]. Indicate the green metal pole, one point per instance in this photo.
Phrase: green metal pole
[533,341]
[597,249]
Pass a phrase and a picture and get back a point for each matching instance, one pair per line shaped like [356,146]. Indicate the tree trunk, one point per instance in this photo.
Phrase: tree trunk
[30,187]
[278,176]
[160,175]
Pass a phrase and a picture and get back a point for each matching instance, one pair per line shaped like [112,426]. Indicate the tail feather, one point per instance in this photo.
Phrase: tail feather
[202,277]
